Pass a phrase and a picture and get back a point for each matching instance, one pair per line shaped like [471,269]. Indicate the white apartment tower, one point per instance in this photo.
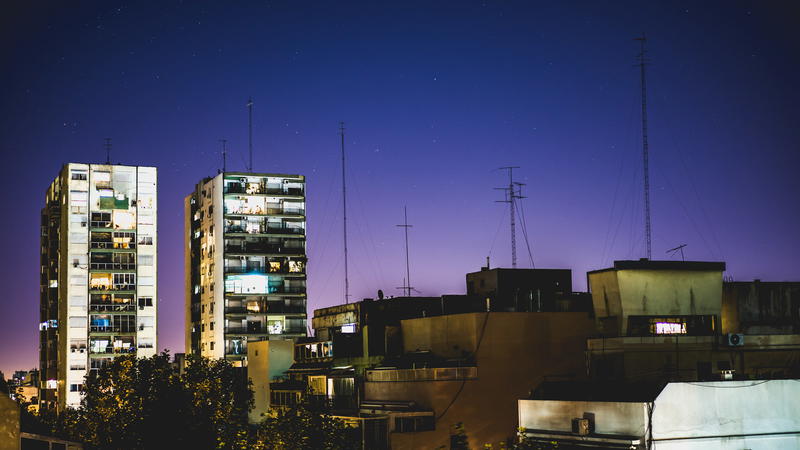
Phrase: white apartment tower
[98,274]
[245,262]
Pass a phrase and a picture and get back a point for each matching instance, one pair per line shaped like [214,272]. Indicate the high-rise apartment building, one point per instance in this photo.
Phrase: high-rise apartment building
[98,274]
[245,262]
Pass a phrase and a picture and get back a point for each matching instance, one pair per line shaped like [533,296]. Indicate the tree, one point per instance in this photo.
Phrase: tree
[305,427]
[458,438]
[147,403]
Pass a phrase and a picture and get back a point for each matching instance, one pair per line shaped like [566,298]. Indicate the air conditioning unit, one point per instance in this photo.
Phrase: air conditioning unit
[735,339]
[580,426]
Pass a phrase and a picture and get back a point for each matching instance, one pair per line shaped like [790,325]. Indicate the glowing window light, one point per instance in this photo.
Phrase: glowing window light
[670,328]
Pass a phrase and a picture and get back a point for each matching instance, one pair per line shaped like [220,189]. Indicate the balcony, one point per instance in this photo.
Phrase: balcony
[261,269]
[260,189]
[112,266]
[109,245]
[116,287]
[113,307]
[269,211]
[264,248]
[112,328]
[111,350]
[271,308]
[238,229]
[426,374]
[252,329]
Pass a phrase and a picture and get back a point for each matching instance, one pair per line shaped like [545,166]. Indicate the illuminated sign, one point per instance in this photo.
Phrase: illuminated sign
[670,328]
[349,328]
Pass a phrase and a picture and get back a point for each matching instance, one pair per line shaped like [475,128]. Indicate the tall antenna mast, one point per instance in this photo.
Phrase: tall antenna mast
[250,131]
[645,150]
[511,197]
[224,154]
[108,150]
[407,281]
[344,216]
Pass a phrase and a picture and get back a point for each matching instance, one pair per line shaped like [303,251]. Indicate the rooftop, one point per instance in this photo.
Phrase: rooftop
[646,264]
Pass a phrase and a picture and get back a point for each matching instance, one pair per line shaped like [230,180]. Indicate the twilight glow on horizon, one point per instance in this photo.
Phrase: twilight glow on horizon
[435,98]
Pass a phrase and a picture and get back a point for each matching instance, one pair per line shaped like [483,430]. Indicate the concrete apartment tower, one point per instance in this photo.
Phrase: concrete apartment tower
[245,263]
[98,274]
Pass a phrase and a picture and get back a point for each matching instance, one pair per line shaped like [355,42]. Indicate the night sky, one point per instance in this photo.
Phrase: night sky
[435,96]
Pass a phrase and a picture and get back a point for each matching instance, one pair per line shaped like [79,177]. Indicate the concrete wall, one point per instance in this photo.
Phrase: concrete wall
[616,418]
[516,352]
[761,307]
[720,414]
[641,292]
[265,361]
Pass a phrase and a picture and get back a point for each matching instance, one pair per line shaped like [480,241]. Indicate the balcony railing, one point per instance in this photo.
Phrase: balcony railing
[111,245]
[112,328]
[112,350]
[264,230]
[263,248]
[235,188]
[113,307]
[266,212]
[116,287]
[427,374]
[272,308]
[112,266]
[259,269]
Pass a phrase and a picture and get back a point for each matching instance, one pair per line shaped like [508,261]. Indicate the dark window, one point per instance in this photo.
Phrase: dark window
[413,424]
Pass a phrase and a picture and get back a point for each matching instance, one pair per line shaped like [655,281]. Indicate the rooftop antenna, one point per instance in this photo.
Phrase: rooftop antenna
[645,150]
[250,131]
[672,251]
[407,280]
[224,154]
[511,196]
[108,150]
[344,217]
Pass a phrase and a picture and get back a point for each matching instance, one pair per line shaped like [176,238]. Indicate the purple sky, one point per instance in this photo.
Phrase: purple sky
[435,97]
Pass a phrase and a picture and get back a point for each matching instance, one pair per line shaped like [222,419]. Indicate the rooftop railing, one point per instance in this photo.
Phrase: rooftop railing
[426,374]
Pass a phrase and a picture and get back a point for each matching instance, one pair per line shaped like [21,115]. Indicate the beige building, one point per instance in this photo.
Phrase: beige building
[266,361]
[245,263]
[98,274]
[486,362]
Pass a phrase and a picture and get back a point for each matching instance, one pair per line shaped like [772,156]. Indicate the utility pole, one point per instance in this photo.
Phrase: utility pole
[344,217]
[250,131]
[511,196]
[407,282]
[108,150]
[645,150]
[224,154]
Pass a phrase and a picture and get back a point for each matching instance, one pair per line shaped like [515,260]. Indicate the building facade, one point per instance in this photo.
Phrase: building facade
[725,415]
[245,262]
[98,274]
